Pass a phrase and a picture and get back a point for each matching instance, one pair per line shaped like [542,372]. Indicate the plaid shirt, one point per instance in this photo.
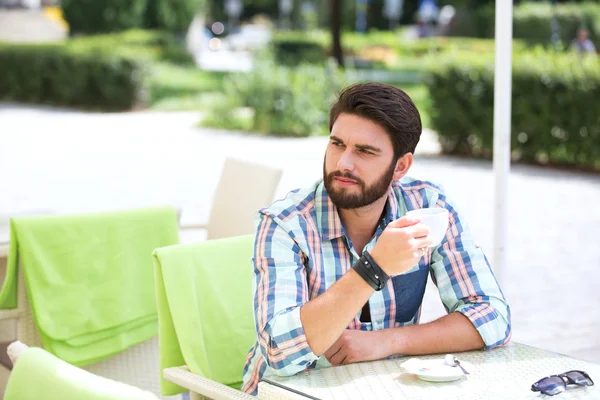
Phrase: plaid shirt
[301,249]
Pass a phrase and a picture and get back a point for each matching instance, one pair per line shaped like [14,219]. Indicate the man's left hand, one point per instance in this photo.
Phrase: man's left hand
[356,346]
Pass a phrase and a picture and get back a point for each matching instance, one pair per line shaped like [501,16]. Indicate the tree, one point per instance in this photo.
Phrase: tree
[172,15]
[335,25]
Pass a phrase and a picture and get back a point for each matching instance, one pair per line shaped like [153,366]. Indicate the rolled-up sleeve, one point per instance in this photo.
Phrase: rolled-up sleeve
[466,282]
[280,289]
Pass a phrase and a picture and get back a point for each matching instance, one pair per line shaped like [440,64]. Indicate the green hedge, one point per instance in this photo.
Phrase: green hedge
[159,45]
[108,16]
[71,76]
[532,22]
[277,100]
[99,16]
[172,15]
[554,118]
[293,48]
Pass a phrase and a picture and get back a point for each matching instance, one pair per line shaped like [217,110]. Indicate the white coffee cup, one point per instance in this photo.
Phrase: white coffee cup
[436,219]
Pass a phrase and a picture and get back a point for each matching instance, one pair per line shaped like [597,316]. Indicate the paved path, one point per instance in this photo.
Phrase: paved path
[75,162]
[31,26]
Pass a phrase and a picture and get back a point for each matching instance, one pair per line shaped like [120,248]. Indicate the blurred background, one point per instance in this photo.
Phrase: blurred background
[107,104]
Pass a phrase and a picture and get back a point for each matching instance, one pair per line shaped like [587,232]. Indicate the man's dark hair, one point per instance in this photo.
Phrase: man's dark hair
[387,106]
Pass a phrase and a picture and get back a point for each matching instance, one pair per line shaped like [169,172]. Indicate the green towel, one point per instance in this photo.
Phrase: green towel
[206,320]
[90,278]
[40,375]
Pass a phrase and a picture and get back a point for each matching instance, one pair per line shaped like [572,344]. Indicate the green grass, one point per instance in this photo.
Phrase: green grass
[181,88]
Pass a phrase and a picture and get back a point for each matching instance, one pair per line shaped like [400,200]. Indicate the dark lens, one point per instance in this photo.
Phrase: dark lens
[552,385]
[579,378]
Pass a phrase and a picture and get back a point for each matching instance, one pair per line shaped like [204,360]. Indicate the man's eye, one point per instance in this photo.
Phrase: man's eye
[365,151]
[338,144]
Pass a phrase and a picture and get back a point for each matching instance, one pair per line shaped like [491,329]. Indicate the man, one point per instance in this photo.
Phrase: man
[315,305]
[582,44]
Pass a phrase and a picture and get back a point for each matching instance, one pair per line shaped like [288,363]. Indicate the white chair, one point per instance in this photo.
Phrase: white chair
[243,189]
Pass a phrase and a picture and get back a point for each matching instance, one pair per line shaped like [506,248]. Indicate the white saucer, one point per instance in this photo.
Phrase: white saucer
[436,370]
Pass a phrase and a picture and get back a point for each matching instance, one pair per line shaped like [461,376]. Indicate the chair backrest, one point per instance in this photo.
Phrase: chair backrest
[5,222]
[243,189]
[208,286]
[38,374]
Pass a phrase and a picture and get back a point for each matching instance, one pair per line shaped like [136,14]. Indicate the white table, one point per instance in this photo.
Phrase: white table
[503,373]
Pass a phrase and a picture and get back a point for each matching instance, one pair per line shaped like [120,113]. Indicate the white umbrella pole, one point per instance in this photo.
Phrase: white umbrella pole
[502,119]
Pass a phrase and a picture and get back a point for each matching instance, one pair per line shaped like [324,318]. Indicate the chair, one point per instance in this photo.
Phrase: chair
[243,189]
[206,323]
[137,365]
[5,226]
[38,374]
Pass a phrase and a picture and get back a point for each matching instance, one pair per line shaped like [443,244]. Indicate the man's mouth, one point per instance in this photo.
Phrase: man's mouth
[345,181]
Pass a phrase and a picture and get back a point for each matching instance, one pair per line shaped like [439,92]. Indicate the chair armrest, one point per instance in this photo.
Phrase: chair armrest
[203,386]
[15,349]
[193,226]
[4,249]
[11,313]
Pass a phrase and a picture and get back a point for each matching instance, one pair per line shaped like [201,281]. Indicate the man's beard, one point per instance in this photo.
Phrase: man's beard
[367,195]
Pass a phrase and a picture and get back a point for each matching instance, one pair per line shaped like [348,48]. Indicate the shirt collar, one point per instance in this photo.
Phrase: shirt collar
[329,223]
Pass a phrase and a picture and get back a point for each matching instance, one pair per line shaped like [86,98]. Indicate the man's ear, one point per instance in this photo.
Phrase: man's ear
[403,165]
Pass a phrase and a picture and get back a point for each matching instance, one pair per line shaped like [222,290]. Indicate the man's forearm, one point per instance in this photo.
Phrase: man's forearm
[451,333]
[325,318]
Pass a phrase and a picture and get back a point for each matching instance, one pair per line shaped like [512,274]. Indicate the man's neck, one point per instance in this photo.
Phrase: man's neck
[361,223]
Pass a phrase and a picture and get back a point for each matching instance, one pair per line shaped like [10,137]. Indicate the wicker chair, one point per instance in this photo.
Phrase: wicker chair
[212,278]
[243,189]
[137,366]
[36,372]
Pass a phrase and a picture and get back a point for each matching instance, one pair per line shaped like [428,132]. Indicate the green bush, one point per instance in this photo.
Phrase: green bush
[71,76]
[532,22]
[100,16]
[172,15]
[159,45]
[293,48]
[355,43]
[554,119]
[281,101]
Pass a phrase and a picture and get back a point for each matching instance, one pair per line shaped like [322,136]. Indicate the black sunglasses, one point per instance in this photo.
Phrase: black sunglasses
[556,384]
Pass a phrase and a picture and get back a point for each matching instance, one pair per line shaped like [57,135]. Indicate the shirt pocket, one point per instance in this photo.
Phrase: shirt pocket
[409,289]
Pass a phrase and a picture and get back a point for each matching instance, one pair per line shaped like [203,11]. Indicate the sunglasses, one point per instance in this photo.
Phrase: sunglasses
[556,384]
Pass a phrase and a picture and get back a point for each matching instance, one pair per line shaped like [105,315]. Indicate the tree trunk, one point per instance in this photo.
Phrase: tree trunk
[335,24]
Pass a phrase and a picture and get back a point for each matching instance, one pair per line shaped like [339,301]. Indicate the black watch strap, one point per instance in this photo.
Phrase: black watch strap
[370,272]
[361,270]
[380,273]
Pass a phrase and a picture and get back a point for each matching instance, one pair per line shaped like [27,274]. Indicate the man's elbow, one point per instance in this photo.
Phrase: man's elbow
[504,329]
[290,369]
[286,367]
[288,361]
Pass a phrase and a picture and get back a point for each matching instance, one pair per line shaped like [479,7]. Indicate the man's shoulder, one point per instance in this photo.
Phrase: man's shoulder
[418,193]
[410,184]
[297,202]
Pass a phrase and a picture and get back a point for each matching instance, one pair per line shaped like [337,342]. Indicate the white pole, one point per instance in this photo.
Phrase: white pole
[502,119]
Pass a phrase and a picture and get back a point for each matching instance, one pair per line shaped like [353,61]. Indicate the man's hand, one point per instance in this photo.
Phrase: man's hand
[356,346]
[398,248]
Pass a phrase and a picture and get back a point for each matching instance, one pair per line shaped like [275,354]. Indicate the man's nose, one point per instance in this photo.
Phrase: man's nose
[345,163]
